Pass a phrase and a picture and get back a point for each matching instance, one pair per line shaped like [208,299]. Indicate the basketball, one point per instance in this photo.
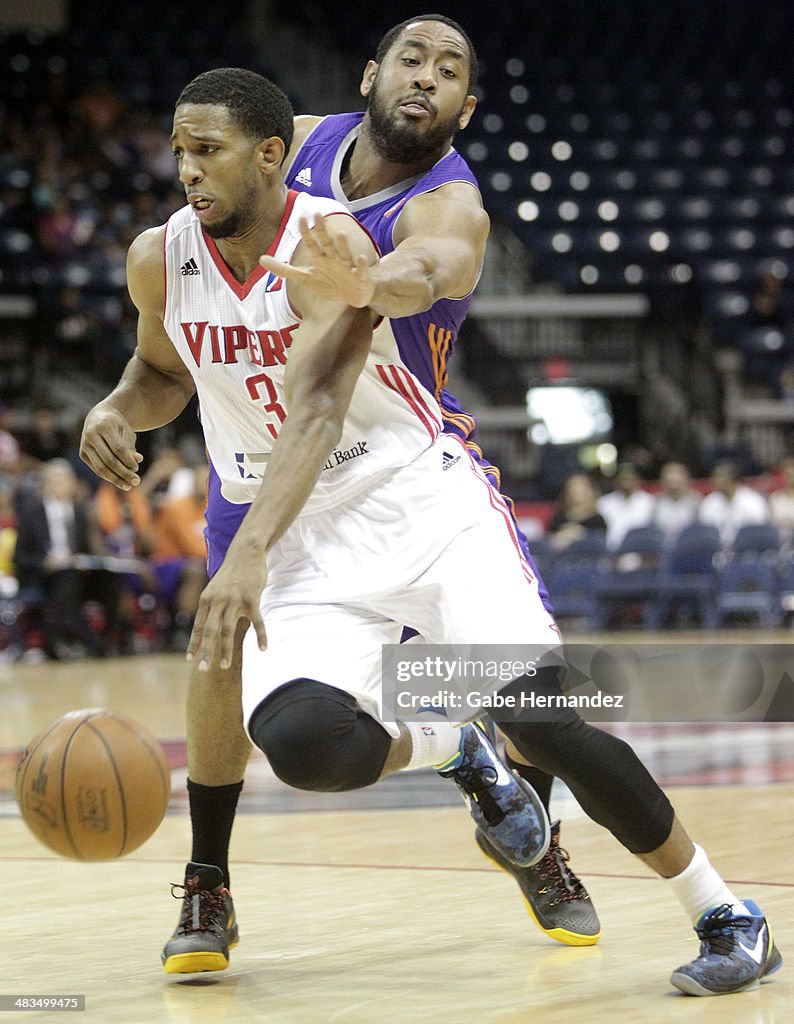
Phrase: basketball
[94,785]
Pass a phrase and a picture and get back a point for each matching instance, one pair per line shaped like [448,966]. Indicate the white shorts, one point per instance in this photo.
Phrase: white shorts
[434,547]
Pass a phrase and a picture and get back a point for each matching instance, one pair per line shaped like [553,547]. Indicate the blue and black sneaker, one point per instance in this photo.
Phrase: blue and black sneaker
[557,901]
[736,952]
[505,808]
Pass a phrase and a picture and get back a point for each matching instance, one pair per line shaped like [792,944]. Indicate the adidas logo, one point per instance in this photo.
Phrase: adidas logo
[191,267]
[305,177]
[447,460]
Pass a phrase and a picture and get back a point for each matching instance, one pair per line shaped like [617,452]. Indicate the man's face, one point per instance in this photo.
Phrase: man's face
[418,95]
[59,483]
[627,482]
[218,168]
[675,480]
[723,480]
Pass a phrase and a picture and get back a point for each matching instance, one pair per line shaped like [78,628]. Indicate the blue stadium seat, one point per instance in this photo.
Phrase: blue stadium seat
[631,577]
[757,539]
[688,578]
[747,588]
[572,577]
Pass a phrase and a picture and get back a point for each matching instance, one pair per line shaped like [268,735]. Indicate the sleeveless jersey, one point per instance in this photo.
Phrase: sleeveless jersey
[426,340]
[234,338]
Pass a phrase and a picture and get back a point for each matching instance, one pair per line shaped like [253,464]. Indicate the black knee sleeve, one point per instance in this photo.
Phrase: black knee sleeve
[610,782]
[317,737]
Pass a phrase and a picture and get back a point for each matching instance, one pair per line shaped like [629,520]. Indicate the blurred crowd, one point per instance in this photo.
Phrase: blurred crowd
[86,569]
[673,502]
[82,172]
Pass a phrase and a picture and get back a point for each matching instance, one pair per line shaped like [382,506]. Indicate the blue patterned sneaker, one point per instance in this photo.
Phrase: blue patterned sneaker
[736,952]
[504,807]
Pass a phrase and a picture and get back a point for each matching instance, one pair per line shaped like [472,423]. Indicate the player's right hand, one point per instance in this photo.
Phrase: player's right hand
[332,270]
[108,447]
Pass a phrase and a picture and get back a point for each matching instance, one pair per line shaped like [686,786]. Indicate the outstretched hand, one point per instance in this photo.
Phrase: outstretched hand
[232,594]
[334,272]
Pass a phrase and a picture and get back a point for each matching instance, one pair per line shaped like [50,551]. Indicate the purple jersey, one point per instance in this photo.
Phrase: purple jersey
[425,340]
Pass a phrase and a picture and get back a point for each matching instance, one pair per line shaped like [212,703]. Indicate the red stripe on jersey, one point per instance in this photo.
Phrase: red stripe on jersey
[498,503]
[242,291]
[396,383]
[165,271]
[414,388]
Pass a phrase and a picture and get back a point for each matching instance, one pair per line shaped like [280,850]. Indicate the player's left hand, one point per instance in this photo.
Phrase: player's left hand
[333,272]
[232,594]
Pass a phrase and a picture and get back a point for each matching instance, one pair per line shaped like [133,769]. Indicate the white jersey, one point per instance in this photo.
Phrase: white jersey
[234,339]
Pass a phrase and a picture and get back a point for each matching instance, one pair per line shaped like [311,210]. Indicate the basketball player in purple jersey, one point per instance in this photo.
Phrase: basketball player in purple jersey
[405,88]
[401,178]
[610,783]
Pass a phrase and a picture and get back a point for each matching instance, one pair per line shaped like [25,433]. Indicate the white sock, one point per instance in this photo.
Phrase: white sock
[699,888]
[434,742]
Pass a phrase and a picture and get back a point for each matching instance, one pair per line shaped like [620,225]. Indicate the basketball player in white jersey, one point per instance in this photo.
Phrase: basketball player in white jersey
[403,180]
[348,566]
[213,321]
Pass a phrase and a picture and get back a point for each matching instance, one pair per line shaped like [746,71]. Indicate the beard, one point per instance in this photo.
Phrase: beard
[238,219]
[405,142]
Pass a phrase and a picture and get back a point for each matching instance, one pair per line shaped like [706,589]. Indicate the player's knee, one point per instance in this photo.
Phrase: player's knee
[604,773]
[542,729]
[317,738]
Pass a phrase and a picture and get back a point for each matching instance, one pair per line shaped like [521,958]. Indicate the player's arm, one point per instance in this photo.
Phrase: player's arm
[440,239]
[440,245]
[325,361]
[155,386]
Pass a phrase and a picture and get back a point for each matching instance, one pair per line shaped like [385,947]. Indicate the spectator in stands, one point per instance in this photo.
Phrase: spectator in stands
[627,507]
[45,440]
[125,520]
[786,383]
[9,448]
[167,477]
[676,506]
[766,302]
[180,555]
[781,501]
[731,504]
[8,541]
[54,525]
[62,230]
[576,512]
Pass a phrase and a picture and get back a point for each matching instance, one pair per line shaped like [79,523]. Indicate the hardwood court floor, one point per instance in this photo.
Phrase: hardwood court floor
[383,915]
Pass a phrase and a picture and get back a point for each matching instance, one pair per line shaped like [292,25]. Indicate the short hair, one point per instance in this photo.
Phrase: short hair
[55,466]
[393,34]
[258,106]
[728,468]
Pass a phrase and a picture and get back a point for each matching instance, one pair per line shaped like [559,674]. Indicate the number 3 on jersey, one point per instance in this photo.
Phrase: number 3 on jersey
[261,388]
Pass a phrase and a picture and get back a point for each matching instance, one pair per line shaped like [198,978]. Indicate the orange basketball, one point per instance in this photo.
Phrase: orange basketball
[94,785]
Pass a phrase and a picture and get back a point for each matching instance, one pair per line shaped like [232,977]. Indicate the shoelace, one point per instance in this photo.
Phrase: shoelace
[554,870]
[718,931]
[477,782]
[200,908]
